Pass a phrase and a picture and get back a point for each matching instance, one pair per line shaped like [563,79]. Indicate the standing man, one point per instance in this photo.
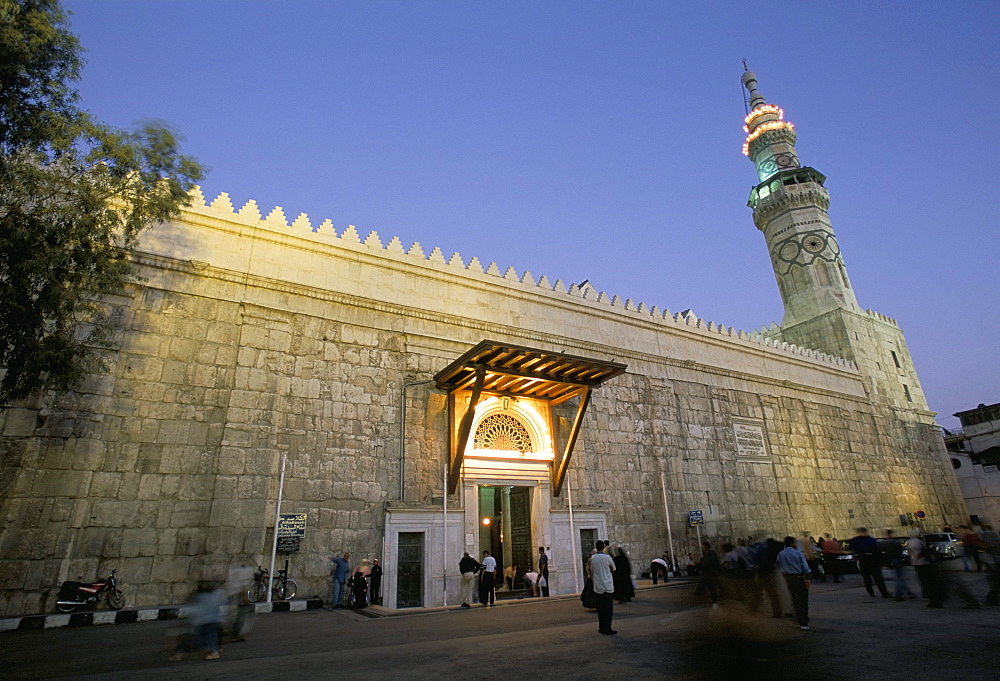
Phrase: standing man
[795,568]
[543,571]
[467,567]
[488,580]
[341,568]
[376,587]
[601,569]
[869,555]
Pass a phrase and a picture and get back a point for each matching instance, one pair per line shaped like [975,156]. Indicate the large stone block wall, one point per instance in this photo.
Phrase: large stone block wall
[230,357]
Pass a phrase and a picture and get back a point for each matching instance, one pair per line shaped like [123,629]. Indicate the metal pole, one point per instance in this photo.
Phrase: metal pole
[697,529]
[444,549]
[666,513]
[572,538]
[277,519]
[402,430]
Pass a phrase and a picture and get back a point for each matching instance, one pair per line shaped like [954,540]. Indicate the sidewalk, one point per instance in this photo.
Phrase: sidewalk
[132,615]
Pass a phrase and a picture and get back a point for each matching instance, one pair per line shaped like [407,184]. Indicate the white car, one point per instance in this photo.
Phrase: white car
[944,544]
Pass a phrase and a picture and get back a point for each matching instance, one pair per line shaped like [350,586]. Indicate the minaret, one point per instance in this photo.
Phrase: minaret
[821,311]
[789,206]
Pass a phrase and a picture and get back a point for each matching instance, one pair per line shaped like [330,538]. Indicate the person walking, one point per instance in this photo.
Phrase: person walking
[341,569]
[602,569]
[543,572]
[893,552]
[930,580]
[375,597]
[830,551]
[869,554]
[795,569]
[468,567]
[488,580]
[711,568]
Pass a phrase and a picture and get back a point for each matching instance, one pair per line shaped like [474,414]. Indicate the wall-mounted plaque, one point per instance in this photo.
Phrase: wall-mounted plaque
[750,440]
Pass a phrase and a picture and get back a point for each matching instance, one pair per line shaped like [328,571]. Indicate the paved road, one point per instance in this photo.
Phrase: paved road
[665,632]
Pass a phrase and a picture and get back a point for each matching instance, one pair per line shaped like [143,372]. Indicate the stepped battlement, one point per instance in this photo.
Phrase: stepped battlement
[250,214]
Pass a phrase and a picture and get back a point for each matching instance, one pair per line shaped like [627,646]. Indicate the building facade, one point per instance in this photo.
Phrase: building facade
[975,456]
[429,404]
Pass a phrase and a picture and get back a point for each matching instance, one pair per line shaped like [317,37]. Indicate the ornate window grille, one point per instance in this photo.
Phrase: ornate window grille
[502,431]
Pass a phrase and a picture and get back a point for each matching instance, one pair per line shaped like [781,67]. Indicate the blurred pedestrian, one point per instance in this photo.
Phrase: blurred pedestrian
[830,552]
[869,555]
[795,568]
[892,550]
[204,612]
[711,568]
[240,611]
[927,575]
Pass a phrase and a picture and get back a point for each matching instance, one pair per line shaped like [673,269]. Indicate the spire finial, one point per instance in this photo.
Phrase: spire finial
[750,83]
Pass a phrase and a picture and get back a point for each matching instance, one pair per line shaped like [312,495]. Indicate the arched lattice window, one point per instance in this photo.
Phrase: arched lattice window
[502,431]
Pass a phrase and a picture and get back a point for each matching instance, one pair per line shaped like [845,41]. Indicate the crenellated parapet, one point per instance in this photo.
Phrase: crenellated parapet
[881,317]
[277,220]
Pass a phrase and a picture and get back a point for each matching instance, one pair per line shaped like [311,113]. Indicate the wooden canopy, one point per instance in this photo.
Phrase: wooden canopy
[493,368]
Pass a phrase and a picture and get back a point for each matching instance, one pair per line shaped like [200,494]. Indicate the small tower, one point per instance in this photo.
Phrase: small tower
[789,206]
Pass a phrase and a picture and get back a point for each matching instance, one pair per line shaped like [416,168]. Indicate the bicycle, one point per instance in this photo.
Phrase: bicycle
[284,588]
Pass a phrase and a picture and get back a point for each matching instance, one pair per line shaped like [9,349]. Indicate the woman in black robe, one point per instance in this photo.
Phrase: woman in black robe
[624,591]
[359,590]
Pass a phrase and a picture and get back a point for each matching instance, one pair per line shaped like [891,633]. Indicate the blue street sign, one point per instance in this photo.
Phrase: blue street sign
[695,518]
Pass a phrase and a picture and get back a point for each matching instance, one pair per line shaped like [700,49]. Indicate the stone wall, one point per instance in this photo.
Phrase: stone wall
[251,339]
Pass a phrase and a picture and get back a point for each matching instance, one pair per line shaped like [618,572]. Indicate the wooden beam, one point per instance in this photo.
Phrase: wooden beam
[458,451]
[559,468]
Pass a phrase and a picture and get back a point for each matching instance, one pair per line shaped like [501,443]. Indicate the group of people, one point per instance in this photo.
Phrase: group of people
[784,570]
[357,590]
[484,576]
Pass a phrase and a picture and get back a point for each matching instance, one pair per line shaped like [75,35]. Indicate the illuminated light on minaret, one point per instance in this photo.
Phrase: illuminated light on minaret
[790,206]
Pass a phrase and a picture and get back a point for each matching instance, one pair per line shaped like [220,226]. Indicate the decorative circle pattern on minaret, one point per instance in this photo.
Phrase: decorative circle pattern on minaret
[804,249]
[502,431]
[786,160]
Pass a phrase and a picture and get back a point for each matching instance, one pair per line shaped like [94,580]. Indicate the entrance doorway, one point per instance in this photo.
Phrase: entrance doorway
[505,528]
[410,570]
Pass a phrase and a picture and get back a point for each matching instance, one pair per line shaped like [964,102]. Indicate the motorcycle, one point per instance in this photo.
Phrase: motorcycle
[73,595]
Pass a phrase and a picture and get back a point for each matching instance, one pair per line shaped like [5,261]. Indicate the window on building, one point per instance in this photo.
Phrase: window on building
[906,389]
[896,359]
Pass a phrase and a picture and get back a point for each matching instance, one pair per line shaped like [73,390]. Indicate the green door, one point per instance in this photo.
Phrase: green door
[410,570]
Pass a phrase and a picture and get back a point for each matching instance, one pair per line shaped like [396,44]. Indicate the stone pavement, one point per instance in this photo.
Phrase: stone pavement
[665,632]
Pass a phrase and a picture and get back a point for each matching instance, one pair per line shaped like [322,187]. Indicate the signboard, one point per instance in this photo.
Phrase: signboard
[291,529]
[750,441]
[920,514]
[695,518]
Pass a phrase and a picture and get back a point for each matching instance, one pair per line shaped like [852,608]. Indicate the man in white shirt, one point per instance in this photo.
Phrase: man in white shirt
[601,567]
[488,579]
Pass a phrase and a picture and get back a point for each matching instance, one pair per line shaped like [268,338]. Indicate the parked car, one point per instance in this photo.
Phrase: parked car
[847,561]
[944,544]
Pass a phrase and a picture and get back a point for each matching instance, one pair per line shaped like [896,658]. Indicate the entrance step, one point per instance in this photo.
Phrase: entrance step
[505,595]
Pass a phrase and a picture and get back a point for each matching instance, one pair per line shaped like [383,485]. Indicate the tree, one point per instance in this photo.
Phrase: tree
[74,196]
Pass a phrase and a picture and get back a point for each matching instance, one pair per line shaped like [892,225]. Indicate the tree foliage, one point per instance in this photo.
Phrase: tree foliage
[74,196]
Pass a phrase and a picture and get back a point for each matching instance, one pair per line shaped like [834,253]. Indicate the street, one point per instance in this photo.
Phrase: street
[664,632]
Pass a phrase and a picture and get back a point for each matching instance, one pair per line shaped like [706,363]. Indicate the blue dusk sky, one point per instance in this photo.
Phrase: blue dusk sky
[600,140]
